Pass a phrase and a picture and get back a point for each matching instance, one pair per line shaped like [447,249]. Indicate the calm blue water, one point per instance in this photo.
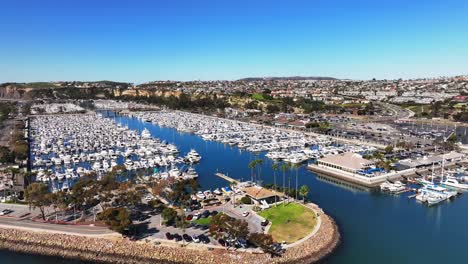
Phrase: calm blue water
[375,228]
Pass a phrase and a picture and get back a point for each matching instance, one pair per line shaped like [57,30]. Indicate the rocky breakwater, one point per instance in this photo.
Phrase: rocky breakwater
[107,250]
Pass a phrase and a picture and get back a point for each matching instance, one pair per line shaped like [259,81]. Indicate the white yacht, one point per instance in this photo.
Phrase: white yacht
[145,133]
[193,156]
[397,187]
[174,172]
[191,173]
[452,182]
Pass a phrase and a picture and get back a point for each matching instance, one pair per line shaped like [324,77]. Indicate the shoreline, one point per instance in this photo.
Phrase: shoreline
[112,250]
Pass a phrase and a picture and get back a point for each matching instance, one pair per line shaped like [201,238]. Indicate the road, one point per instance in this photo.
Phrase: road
[26,224]
[399,112]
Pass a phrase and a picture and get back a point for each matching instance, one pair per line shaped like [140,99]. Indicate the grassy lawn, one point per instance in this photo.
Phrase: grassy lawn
[203,221]
[258,96]
[290,222]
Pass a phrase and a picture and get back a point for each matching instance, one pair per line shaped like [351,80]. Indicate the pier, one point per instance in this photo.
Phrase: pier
[227,178]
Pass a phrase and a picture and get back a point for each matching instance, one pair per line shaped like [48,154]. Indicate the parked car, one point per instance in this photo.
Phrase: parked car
[187,238]
[205,214]
[222,242]
[196,239]
[169,236]
[6,211]
[277,247]
[213,213]
[204,239]
[245,214]
[265,222]
[242,243]
[177,237]
[189,217]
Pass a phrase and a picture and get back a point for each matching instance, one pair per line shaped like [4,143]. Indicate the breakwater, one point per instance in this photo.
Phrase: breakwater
[113,250]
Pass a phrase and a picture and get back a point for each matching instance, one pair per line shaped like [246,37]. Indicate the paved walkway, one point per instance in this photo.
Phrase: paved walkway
[81,230]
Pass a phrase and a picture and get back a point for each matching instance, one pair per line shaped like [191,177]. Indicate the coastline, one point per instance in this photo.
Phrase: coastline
[112,250]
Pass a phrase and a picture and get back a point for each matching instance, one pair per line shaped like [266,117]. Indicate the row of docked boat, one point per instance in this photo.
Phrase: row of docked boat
[67,147]
[441,188]
[396,187]
[290,146]
[300,155]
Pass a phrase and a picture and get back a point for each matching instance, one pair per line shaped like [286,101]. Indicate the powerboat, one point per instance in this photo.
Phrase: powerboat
[453,183]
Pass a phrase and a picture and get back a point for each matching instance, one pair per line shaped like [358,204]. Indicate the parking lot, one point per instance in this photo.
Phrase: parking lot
[158,231]
[18,210]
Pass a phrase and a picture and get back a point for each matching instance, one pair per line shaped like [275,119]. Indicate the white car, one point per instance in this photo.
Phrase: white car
[245,214]
[195,239]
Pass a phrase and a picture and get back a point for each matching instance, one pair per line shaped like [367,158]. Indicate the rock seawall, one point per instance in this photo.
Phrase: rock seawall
[105,250]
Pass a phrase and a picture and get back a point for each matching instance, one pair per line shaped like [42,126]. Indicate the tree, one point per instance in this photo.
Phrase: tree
[388,149]
[261,240]
[222,224]
[252,165]
[384,165]
[157,205]
[246,200]
[284,168]
[83,194]
[259,162]
[37,196]
[304,191]
[169,215]
[118,219]
[159,186]
[58,200]
[296,168]
[272,108]
[237,228]
[275,167]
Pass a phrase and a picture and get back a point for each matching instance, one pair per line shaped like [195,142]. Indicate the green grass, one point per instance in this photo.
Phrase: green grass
[418,109]
[353,105]
[290,222]
[460,105]
[203,221]
[258,96]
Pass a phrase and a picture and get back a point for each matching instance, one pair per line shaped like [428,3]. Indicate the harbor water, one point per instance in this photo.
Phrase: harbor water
[375,227]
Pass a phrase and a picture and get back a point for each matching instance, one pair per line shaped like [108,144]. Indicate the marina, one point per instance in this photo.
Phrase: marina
[393,212]
[65,148]
[294,147]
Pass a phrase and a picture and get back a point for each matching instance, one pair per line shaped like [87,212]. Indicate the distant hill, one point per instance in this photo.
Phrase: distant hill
[294,78]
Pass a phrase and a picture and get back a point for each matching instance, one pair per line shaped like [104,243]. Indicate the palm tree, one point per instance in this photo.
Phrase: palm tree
[296,167]
[252,165]
[284,167]
[304,191]
[274,167]
[258,163]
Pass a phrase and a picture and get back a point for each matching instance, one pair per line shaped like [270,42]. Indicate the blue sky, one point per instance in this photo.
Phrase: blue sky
[140,41]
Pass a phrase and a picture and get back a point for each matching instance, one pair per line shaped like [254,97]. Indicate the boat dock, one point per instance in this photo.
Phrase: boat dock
[225,177]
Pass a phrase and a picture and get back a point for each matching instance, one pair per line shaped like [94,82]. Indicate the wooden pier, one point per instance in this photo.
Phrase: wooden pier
[227,178]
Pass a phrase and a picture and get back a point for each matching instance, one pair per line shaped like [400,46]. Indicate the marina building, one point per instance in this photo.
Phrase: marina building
[427,161]
[260,195]
[349,162]
[354,168]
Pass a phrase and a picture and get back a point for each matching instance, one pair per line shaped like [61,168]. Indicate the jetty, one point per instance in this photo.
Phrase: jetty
[227,178]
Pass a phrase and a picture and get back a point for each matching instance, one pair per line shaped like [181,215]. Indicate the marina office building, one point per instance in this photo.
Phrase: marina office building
[354,168]
[349,162]
[427,161]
